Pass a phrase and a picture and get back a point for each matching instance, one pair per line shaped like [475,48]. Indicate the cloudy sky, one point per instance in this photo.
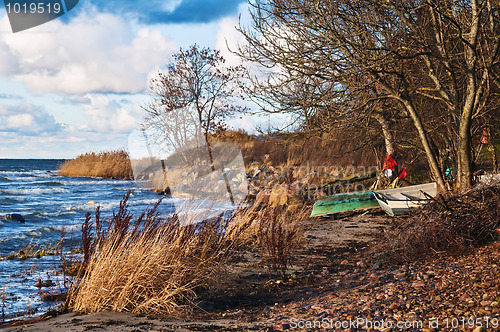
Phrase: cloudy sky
[76,84]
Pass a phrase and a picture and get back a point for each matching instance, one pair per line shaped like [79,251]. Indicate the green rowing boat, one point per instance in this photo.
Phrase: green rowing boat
[344,202]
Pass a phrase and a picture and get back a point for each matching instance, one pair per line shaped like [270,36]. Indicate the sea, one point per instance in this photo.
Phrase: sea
[53,207]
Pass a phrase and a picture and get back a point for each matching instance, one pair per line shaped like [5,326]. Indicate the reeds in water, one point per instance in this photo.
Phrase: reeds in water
[108,165]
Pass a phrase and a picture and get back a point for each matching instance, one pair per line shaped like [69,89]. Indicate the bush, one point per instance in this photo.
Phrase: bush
[450,225]
[280,231]
[108,165]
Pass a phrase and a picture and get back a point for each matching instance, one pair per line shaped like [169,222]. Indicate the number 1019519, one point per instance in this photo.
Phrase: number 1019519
[34,8]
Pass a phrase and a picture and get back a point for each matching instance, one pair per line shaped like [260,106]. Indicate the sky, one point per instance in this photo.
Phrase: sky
[76,84]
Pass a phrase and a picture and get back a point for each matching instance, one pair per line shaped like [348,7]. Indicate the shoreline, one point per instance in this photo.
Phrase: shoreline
[337,275]
[322,231]
[338,280]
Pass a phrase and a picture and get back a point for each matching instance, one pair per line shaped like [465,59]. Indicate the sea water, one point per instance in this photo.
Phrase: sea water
[51,205]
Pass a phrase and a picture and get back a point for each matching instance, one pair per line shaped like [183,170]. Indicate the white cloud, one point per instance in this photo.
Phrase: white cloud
[26,119]
[89,72]
[20,120]
[105,115]
[28,131]
[95,52]
[228,38]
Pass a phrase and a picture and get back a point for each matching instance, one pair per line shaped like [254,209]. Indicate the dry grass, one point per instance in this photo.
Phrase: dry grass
[449,225]
[293,150]
[275,231]
[156,266]
[280,232]
[153,266]
[108,165]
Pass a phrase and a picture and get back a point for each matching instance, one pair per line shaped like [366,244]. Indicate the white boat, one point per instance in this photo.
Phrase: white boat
[489,178]
[400,200]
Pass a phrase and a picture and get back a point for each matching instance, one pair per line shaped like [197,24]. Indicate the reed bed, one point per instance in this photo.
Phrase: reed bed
[151,266]
[109,165]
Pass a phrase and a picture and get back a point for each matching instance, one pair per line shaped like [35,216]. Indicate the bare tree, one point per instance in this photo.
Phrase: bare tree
[192,97]
[354,54]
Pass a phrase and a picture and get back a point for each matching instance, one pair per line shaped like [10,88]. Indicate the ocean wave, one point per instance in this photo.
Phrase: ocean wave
[34,191]
[7,173]
[51,214]
[13,237]
[148,202]
[27,174]
[41,232]
[70,182]
[68,229]
[24,178]
[43,174]
[6,200]
[34,233]
[92,181]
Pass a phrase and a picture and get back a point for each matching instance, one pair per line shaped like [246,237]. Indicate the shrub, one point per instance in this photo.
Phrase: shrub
[449,225]
[280,231]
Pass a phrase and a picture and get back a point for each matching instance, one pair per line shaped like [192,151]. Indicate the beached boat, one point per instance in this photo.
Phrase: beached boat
[344,202]
[400,200]
[489,178]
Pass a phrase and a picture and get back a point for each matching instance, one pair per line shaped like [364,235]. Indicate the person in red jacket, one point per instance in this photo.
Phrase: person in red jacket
[390,168]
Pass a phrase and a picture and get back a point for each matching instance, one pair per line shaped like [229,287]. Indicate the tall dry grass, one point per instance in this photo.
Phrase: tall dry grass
[280,232]
[151,266]
[275,231]
[108,165]
[295,150]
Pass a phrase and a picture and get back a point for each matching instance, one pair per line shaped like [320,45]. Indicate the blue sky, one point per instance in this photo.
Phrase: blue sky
[77,84]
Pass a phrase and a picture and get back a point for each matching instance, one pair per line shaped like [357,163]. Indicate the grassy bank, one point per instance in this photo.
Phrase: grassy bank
[108,165]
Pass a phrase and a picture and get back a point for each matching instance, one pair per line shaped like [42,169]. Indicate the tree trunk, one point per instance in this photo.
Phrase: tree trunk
[493,151]
[494,157]
[388,138]
[431,158]
[464,149]
[464,158]
[464,135]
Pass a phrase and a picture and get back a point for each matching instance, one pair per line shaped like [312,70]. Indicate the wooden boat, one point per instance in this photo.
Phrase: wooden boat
[344,202]
[400,200]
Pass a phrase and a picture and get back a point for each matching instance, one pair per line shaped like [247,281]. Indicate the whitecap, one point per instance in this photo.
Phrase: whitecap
[34,191]
[14,237]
